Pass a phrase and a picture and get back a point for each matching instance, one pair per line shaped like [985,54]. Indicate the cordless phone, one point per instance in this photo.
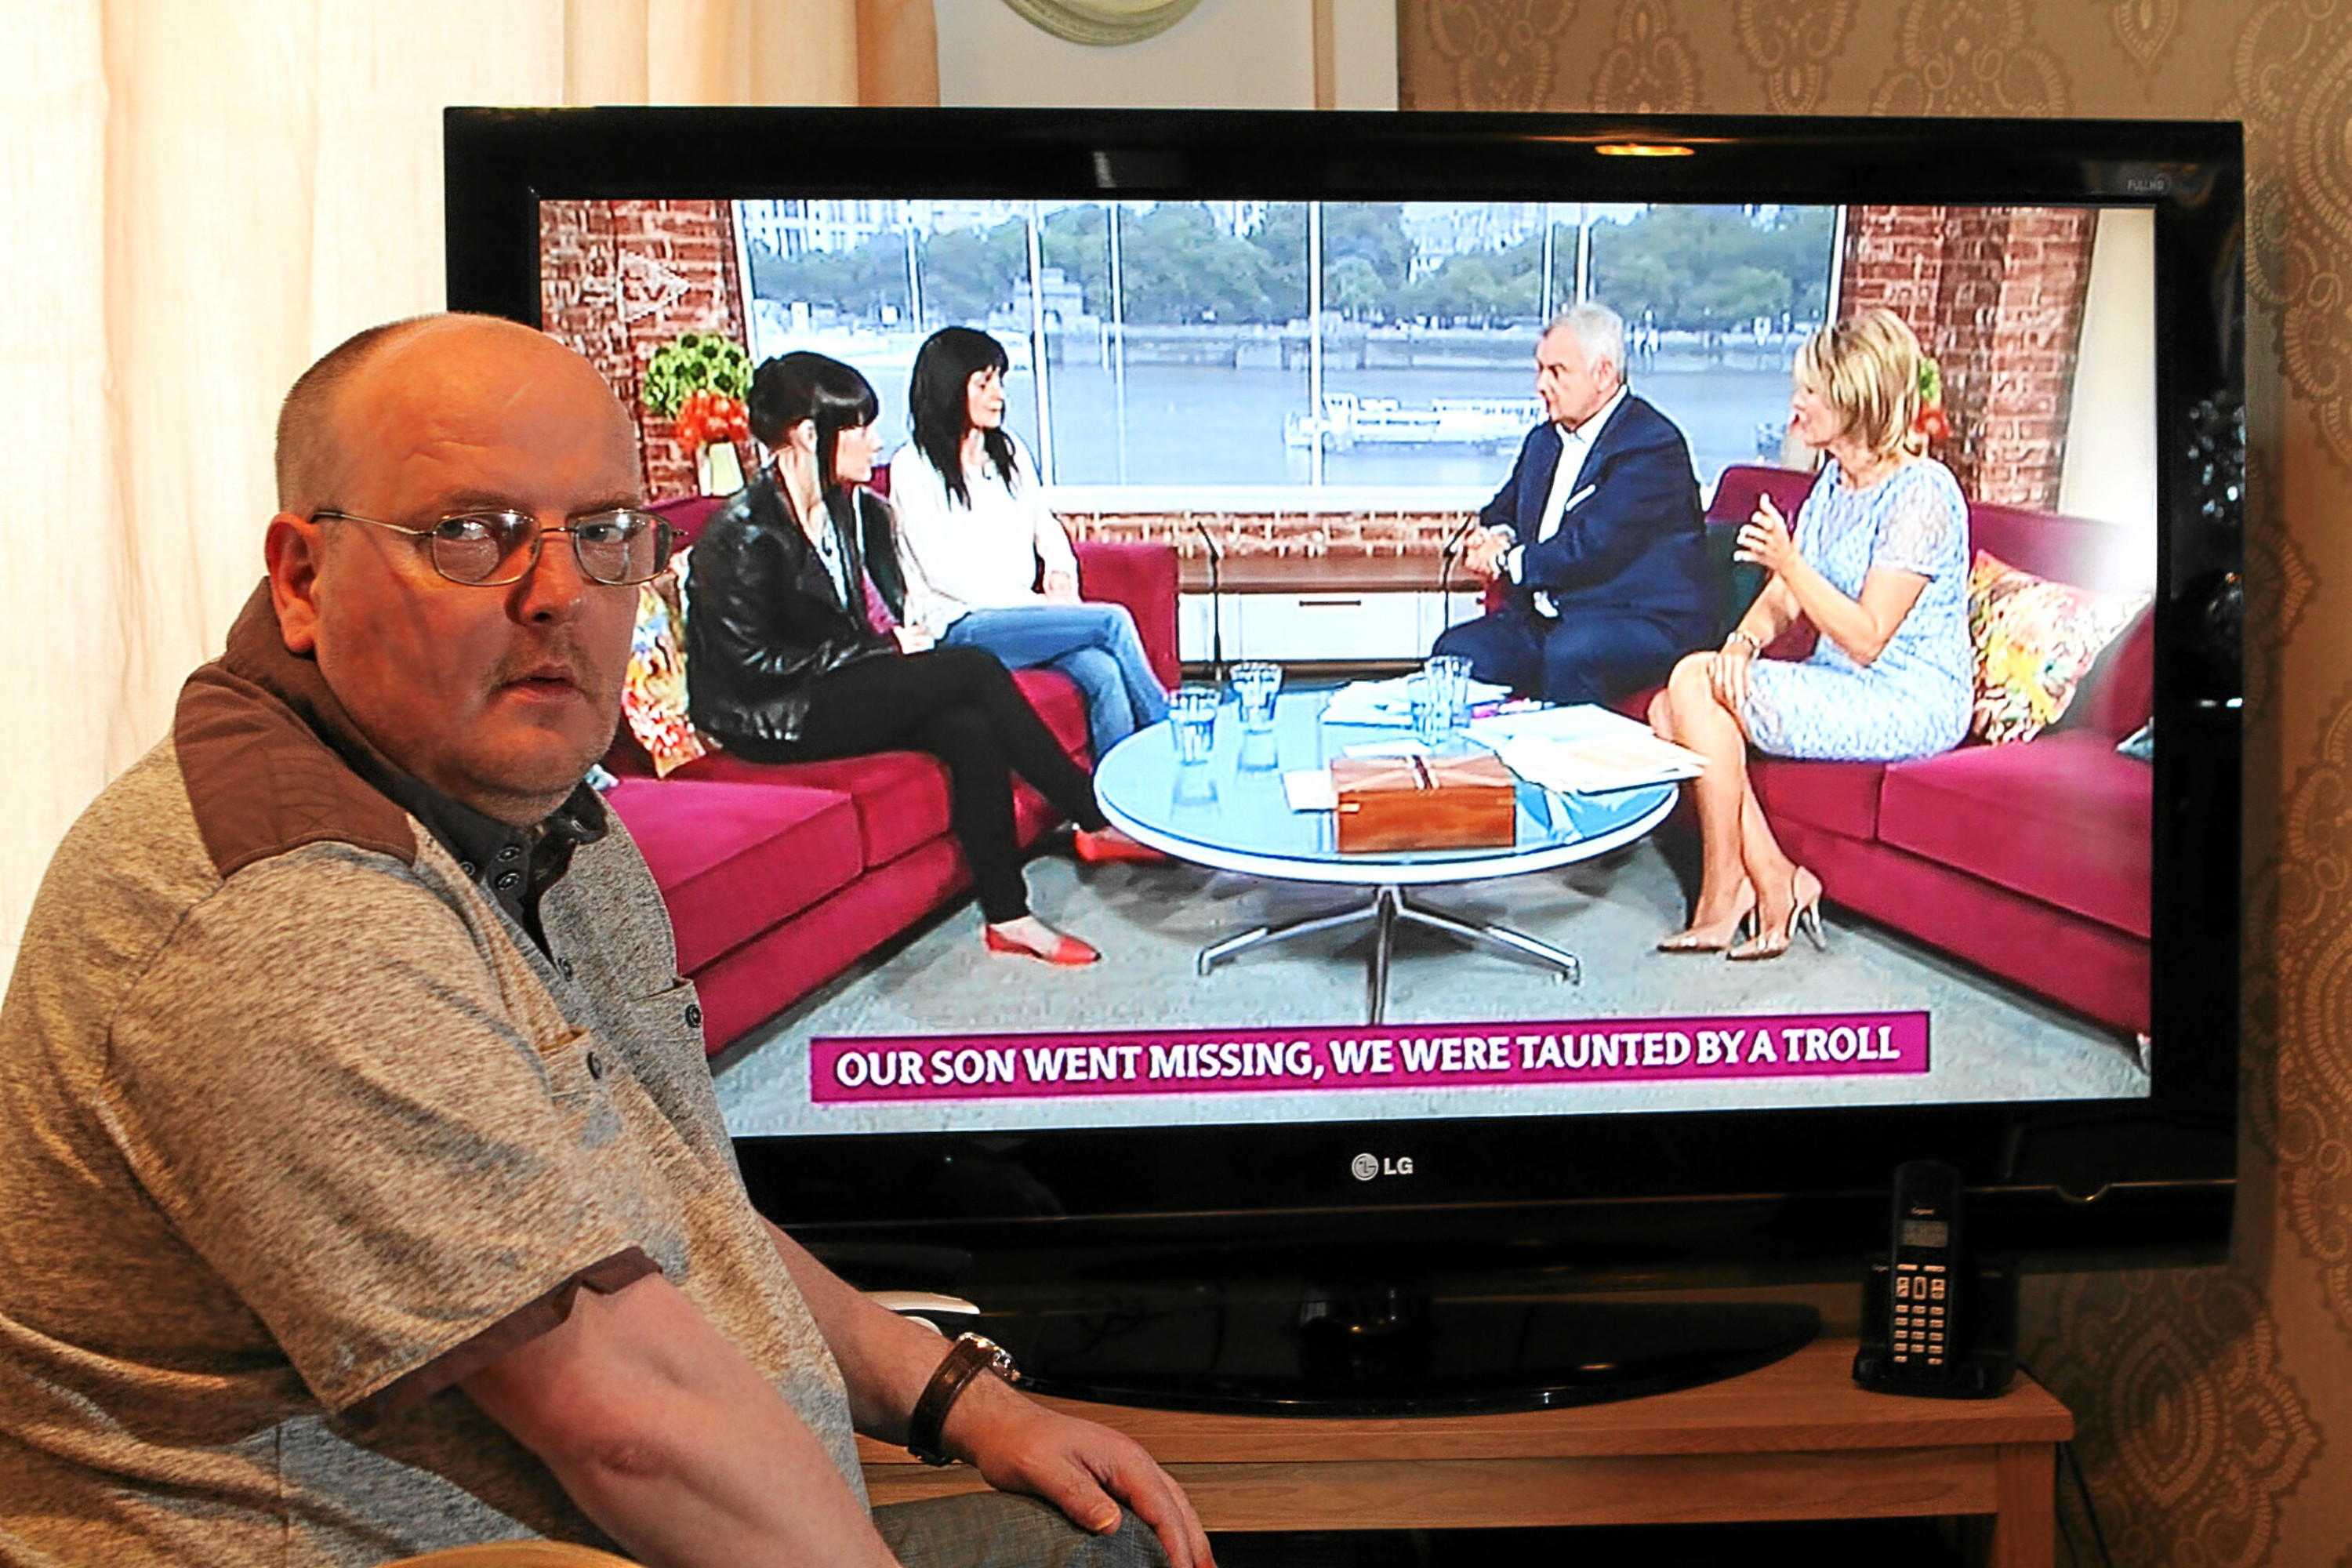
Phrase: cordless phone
[1924,1299]
[1935,1319]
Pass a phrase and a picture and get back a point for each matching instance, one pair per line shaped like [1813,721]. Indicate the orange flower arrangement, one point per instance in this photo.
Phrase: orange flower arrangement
[1929,424]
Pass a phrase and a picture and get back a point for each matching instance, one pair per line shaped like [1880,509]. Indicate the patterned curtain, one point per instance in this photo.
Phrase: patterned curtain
[2215,1404]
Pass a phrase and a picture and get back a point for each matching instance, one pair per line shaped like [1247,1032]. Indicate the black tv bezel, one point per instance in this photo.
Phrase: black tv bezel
[1641,1193]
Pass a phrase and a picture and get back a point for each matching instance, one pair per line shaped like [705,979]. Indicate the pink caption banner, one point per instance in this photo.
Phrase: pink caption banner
[883,1068]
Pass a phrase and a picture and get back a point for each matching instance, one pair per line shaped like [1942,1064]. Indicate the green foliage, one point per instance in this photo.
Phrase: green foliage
[1671,268]
[1693,268]
[1355,290]
[692,362]
[858,282]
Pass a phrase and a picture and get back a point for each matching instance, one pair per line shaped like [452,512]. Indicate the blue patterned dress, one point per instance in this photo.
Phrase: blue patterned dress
[1914,698]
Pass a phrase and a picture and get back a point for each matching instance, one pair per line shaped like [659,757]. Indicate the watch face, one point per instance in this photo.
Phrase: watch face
[1000,1360]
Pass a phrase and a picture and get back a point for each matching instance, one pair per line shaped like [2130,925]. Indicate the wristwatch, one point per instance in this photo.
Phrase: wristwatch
[970,1355]
[1753,645]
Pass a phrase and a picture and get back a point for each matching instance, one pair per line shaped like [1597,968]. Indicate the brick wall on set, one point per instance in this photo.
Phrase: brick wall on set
[618,280]
[1338,536]
[1996,296]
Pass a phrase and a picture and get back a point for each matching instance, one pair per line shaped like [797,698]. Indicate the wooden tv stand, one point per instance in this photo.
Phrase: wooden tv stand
[1794,1440]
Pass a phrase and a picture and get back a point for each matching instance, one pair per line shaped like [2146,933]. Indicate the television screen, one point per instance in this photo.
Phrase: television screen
[1301,352]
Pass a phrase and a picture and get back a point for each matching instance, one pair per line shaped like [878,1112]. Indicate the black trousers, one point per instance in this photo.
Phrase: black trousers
[960,705]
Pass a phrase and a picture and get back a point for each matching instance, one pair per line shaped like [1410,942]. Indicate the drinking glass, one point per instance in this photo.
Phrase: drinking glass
[1453,671]
[1432,712]
[1258,682]
[1192,714]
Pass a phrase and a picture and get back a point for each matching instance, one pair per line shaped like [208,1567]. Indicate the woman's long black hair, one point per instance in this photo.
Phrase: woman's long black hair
[805,386]
[938,397]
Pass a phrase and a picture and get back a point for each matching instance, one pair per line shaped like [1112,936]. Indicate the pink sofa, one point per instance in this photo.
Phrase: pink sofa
[777,878]
[2029,860]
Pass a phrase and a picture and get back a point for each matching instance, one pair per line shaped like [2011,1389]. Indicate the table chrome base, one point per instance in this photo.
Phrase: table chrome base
[1387,908]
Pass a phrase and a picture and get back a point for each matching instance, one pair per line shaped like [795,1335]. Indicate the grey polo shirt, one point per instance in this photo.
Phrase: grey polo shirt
[298,1127]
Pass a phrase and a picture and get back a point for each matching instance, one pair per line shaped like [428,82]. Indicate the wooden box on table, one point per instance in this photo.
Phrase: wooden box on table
[1424,803]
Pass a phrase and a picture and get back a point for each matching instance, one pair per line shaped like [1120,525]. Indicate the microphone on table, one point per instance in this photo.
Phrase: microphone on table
[1216,604]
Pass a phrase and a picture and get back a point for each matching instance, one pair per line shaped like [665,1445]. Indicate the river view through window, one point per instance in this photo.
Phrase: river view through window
[1325,346]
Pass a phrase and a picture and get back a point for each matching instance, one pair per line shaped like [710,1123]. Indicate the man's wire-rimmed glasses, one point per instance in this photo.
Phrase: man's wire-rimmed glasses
[491,549]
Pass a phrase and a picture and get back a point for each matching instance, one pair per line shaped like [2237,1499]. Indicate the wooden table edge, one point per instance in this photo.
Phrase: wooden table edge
[1806,1402]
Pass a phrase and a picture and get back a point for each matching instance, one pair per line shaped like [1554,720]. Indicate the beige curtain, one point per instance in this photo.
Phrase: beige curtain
[204,196]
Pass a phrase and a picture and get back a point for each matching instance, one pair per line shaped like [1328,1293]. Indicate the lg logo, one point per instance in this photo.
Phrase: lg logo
[1364,1167]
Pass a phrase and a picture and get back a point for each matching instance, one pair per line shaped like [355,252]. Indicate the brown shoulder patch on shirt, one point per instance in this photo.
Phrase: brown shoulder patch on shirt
[261,777]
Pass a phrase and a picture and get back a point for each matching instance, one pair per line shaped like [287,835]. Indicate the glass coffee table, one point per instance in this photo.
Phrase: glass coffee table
[1229,813]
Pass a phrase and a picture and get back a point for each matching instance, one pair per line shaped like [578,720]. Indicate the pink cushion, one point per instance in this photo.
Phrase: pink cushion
[1737,489]
[768,974]
[1142,577]
[2097,556]
[2086,966]
[1058,702]
[2119,693]
[900,797]
[2061,818]
[1840,797]
[733,859]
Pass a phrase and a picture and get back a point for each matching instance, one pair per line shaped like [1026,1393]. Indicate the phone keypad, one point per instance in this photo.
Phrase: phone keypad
[1920,1292]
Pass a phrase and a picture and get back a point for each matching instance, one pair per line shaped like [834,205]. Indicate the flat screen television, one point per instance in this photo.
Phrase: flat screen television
[1298,347]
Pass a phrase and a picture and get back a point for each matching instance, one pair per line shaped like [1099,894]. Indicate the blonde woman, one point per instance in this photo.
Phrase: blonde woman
[1878,564]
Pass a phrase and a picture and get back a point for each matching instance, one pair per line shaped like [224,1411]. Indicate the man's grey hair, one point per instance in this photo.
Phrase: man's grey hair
[1599,330]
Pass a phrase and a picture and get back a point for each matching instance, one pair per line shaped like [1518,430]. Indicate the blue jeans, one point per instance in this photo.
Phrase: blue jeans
[1096,645]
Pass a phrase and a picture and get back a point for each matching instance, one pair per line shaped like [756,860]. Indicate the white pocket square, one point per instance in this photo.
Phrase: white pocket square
[1579,498]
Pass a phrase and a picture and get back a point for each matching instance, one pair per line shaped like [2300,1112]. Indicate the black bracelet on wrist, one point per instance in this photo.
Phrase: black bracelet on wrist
[970,1355]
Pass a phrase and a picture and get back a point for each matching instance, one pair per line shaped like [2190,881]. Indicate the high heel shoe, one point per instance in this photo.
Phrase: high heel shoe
[1069,952]
[1804,914]
[1693,939]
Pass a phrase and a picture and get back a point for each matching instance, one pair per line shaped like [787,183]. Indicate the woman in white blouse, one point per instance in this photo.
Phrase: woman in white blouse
[987,562]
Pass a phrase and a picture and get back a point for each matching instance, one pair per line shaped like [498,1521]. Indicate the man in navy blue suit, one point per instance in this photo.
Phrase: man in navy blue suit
[1597,534]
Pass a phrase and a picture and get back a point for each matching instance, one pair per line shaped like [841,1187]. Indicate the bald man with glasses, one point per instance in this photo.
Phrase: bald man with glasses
[362,1192]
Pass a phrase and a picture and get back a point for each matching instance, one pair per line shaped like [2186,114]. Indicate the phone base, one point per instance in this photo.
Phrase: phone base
[1980,1375]
[1981,1366]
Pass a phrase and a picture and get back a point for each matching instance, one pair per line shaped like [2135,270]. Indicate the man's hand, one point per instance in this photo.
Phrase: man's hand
[1083,1470]
[1482,554]
[1061,587]
[1016,1444]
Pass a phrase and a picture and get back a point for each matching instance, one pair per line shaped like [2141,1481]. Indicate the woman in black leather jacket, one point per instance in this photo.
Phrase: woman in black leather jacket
[791,656]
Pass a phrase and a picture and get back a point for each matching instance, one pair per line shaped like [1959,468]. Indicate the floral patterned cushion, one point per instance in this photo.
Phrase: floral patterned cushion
[653,697]
[2035,639]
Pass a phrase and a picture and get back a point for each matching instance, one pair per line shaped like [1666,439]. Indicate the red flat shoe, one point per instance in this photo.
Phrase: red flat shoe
[1098,848]
[1068,952]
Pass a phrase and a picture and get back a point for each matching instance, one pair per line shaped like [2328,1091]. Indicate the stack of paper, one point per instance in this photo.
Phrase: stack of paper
[1597,765]
[1580,721]
[1309,789]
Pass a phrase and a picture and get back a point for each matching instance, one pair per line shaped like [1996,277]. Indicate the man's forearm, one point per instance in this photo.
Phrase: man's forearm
[885,1359]
[671,1441]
